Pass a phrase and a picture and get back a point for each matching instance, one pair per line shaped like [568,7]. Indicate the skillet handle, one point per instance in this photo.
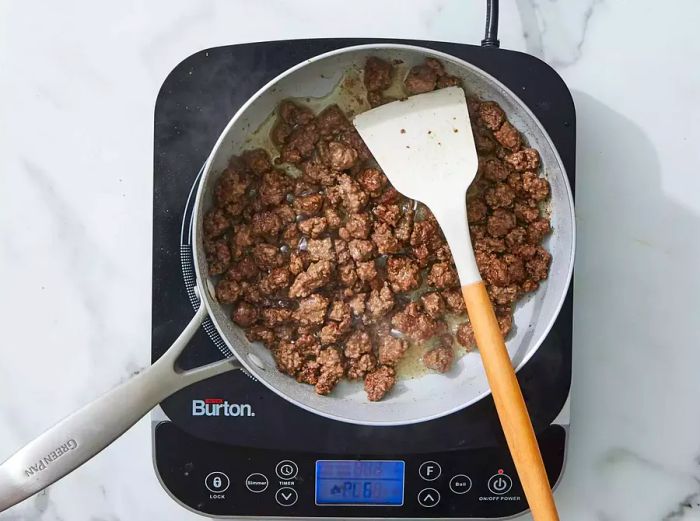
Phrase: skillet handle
[77,438]
[510,404]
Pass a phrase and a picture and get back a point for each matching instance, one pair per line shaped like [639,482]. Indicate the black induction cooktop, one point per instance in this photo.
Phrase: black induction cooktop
[268,458]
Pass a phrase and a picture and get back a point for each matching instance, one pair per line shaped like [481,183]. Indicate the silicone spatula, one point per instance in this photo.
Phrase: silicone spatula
[426,148]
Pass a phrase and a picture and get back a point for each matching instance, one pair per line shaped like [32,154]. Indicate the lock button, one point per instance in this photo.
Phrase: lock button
[217,482]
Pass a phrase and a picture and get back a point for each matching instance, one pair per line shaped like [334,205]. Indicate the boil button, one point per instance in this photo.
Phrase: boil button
[460,484]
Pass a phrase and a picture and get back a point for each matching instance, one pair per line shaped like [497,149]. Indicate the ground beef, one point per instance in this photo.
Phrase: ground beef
[380,302]
[442,275]
[465,335]
[358,344]
[313,227]
[508,136]
[503,295]
[516,236]
[267,256]
[421,78]
[505,320]
[218,256]
[273,317]
[311,310]
[320,261]
[388,213]
[384,239]
[317,172]
[361,250]
[359,367]
[525,159]
[274,187]
[357,226]
[266,224]
[373,181]
[352,196]
[476,210]
[377,74]
[317,275]
[403,274]
[228,291]
[439,359]
[379,382]
[454,301]
[340,156]
[433,304]
[331,370]
[538,265]
[294,114]
[415,323]
[500,195]
[366,271]
[333,218]
[277,279]
[391,349]
[537,230]
[535,186]
[244,314]
[491,115]
[216,222]
[500,222]
[321,249]
[526,212]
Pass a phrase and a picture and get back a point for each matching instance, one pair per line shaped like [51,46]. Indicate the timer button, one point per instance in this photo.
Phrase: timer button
[286,469]
[500,483]
[217,482]
[429,471]
[428,497]
[286,496]
[460,484]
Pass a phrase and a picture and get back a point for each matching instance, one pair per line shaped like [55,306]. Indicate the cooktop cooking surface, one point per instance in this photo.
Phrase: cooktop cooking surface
[230,447]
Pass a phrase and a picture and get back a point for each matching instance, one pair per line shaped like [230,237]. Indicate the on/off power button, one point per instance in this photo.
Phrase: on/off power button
[500,483]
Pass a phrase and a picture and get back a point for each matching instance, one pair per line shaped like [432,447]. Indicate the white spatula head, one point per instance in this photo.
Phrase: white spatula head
[426,148]
[424,137]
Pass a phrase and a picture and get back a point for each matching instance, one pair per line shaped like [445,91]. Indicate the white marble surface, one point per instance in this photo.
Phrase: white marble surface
[77,91]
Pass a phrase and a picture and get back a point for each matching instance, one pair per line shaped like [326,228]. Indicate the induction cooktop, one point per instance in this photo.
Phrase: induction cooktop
[264,457]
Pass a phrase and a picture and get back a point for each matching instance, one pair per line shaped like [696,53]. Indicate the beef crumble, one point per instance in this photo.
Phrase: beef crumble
[337,273]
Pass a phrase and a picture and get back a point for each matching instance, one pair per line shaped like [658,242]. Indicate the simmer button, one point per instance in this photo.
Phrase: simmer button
[256,482]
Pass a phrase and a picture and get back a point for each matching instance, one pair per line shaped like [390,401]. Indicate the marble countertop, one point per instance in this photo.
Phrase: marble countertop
[77,94]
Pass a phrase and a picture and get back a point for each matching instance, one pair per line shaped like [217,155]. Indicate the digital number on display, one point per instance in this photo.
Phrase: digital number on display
[359,482]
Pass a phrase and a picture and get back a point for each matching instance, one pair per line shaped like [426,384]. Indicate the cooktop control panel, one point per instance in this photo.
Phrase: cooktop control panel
[219,479]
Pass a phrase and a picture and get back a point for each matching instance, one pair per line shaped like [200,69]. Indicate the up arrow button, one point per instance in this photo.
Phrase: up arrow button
[428,497]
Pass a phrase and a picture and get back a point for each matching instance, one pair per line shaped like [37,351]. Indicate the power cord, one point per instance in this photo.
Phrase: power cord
[491,32]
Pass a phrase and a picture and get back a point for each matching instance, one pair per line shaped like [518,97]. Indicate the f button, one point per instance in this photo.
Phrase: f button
[429,471]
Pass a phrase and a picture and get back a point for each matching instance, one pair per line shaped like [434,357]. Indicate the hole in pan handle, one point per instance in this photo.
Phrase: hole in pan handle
[78,437]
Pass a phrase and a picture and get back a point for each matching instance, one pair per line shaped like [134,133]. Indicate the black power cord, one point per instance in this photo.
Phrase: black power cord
[491,32]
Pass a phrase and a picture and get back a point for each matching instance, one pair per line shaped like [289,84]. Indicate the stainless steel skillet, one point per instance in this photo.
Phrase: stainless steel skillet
[80,436]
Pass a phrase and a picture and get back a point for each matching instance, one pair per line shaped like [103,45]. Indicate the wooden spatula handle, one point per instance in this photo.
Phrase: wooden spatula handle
[509,403]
